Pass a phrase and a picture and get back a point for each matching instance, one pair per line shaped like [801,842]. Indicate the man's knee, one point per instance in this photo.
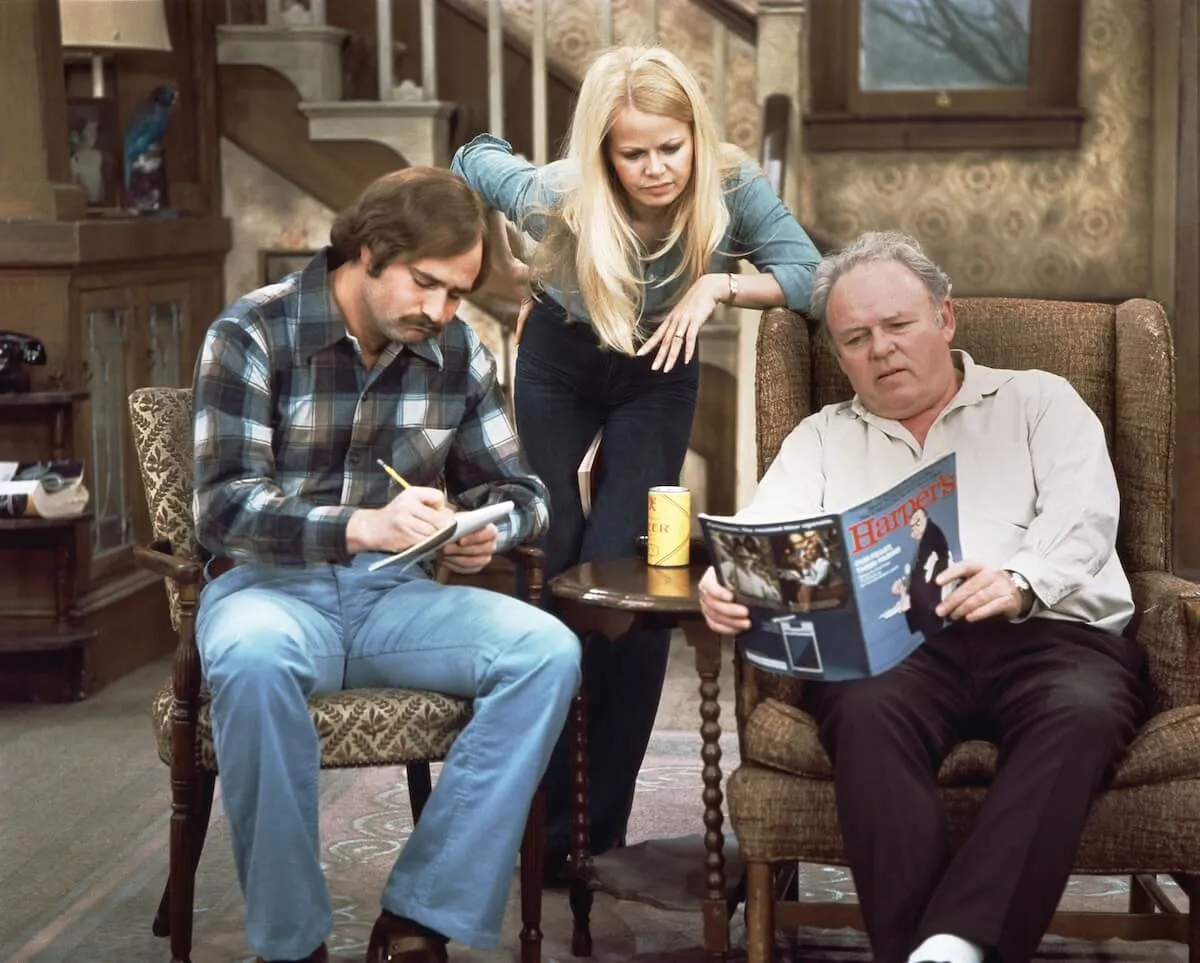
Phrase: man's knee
[547,648]
[247,645]
[867,713]
[1081,712]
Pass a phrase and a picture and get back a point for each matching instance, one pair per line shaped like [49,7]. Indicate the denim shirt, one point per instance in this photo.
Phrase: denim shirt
[761,229]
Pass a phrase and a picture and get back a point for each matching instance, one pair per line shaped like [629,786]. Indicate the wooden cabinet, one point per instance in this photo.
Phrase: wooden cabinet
[121,304]
[44,630]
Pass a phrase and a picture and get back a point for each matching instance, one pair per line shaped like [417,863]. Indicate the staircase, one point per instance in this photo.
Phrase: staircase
[312,101]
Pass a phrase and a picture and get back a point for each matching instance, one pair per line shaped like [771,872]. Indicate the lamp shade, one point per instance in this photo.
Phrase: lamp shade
[114,24]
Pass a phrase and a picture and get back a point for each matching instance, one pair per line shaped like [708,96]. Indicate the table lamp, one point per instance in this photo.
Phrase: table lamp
[96,27]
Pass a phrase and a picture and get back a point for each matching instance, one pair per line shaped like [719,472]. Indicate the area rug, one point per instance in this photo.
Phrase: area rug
[365,821]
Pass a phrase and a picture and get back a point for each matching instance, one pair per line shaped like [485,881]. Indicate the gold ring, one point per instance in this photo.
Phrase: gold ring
[677,337]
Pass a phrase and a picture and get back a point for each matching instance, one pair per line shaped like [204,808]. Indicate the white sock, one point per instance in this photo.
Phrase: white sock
[945,948]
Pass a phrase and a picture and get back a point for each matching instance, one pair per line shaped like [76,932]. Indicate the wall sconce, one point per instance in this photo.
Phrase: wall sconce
[96,27]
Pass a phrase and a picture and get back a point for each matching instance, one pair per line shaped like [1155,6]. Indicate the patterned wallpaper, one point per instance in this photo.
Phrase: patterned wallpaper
[1045,223]
[1042,223]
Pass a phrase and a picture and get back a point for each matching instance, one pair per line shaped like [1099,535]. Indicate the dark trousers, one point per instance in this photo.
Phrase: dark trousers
[566,389]
[1059,700]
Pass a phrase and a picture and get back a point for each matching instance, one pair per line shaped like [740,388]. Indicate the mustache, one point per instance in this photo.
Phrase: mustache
[418,322]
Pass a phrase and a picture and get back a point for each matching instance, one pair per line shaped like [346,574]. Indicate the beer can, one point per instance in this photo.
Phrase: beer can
[669,526]
[672,582]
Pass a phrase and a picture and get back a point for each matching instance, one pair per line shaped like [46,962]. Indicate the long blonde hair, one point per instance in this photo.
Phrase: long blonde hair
[590,229]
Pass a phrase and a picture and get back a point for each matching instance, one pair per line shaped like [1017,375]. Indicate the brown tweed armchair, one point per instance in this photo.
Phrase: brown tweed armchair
[781,799]
[359,727]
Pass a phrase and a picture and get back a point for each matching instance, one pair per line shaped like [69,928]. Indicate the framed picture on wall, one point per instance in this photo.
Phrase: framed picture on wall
[274,264]
[93,142]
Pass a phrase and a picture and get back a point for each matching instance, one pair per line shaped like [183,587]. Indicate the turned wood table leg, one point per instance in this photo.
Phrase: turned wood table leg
[580,891]
[707,650]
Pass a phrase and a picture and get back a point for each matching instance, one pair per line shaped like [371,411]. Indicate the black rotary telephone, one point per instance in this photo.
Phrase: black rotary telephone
[17,353]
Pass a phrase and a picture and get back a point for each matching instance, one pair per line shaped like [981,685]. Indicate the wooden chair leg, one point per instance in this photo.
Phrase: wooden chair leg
[532,856]
[1140,900]
[206,785]
[760,912]
[1191,886]
[420,785]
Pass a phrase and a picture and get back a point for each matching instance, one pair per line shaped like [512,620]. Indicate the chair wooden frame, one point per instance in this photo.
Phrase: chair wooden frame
[193,785]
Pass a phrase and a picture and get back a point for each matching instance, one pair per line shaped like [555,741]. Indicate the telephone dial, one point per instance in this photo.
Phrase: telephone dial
[17,353]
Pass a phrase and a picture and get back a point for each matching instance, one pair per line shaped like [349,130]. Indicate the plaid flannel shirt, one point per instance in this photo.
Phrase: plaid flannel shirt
[289,423]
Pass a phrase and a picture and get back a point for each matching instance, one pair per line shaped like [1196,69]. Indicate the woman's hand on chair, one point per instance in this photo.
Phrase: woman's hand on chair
[679,329]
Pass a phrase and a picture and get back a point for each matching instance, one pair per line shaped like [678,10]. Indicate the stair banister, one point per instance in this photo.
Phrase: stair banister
[383,48]
[495,54]
[428,49]
[540,113]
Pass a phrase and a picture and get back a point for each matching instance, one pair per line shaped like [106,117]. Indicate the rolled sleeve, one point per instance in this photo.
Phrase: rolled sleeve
[510,184]
[769,237]
[1074,530]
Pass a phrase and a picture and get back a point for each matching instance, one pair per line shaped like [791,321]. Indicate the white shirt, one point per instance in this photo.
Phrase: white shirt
[1036,488]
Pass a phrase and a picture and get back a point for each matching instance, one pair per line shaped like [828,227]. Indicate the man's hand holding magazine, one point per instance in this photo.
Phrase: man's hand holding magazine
[723,615]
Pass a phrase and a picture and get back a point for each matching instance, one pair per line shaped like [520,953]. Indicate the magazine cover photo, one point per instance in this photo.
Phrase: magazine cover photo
[845,595]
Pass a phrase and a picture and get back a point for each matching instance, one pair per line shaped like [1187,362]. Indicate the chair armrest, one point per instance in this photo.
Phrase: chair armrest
[156,557]
[1168,627]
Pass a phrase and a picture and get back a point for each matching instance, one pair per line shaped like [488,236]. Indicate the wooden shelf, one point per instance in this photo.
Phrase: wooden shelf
[42,399]
[33,524]
[107,240]
[41,640]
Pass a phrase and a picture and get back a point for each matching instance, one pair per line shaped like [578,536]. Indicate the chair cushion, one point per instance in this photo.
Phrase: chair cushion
[357,727]
[784,737]
[1140,829]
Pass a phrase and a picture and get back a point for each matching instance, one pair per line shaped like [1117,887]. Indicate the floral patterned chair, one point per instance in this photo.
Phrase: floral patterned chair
[358,727]
[781,798]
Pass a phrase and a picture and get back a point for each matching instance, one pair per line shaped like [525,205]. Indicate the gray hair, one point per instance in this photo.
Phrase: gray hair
[869,247]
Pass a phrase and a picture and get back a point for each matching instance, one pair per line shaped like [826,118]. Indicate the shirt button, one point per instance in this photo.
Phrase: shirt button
[355,459]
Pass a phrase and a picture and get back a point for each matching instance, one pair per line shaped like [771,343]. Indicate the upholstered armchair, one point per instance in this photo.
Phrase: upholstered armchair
[360,727]
[781,797]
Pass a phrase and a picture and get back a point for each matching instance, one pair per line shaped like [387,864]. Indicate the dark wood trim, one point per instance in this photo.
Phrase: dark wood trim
[736,18]
[1057,129]
[1187,295]
[107,240]
[1046,114]
[259,113]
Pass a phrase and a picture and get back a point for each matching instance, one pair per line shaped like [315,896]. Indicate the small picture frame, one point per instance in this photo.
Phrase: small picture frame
[274,264]
[94,149]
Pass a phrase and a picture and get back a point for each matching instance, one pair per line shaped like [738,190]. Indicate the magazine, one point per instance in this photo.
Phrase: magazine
[42,489]
[587,474]
[848,594]
[465,523]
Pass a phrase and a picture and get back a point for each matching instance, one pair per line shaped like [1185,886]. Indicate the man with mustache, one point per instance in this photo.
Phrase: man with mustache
[1033,658]
[300,388]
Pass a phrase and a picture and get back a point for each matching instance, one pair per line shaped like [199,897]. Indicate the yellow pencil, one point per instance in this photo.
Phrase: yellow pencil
[395,475]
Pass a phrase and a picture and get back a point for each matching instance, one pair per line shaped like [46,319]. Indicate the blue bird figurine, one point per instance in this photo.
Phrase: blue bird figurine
[148,126]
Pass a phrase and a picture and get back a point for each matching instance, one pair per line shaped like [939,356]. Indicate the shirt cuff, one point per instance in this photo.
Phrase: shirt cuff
[325,534]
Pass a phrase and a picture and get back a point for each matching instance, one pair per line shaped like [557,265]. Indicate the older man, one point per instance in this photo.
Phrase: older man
[1033,658]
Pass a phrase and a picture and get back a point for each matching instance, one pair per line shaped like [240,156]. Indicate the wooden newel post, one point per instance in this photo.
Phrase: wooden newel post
[35,173]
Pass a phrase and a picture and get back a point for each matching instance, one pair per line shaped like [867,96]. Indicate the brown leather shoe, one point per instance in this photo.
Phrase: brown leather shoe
[397,940]
[319,955]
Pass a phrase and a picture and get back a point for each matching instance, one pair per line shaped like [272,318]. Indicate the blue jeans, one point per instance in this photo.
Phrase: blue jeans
[270,637]
[566,389]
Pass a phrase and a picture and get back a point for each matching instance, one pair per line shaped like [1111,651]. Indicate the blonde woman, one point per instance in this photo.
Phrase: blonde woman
[638,228]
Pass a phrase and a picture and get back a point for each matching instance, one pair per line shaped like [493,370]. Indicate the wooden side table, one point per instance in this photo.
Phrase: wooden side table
[611,597]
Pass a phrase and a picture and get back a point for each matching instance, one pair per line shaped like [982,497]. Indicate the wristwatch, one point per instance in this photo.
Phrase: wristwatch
[1026,590]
